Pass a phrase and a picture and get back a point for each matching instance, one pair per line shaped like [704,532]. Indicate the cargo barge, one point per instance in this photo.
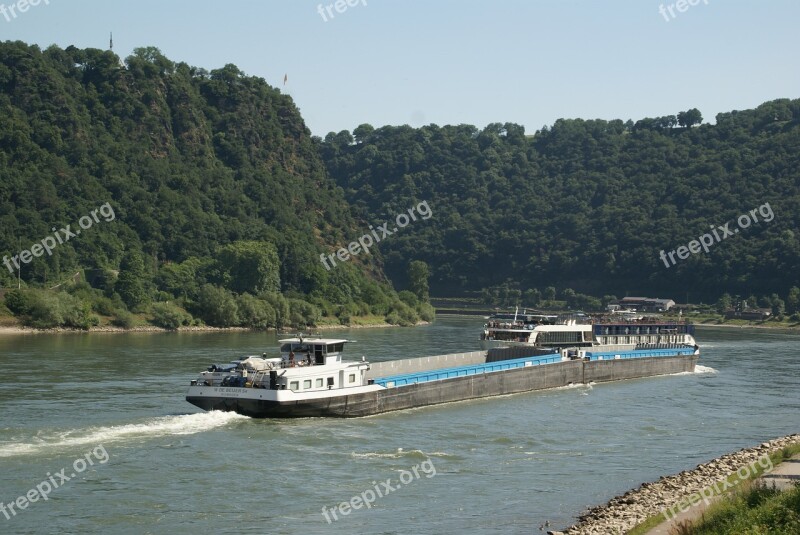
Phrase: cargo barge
[311,378]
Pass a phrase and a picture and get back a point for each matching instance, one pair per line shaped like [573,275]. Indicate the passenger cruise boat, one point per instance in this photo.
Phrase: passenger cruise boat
[584,331]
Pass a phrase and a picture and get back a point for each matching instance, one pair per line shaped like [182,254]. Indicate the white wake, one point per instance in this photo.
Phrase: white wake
[699,370]
[186,424]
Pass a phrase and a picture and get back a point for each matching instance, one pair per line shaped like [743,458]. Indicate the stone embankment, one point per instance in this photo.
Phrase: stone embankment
[624,512]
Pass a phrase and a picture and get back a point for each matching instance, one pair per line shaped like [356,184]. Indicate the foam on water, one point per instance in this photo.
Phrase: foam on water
[574,386]
[400,452]
[185,424]
[704,369]
[699,370]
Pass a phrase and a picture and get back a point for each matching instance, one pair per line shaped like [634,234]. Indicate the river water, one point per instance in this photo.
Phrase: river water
[109,409]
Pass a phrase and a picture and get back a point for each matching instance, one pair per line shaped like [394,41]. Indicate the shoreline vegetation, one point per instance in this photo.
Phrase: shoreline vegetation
[20,329]
[733,324]
[775,312]
[641,509]
[11,325]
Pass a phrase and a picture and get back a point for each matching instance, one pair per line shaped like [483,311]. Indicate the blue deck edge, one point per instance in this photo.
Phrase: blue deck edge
[461,371]
[639,353]
[476,369]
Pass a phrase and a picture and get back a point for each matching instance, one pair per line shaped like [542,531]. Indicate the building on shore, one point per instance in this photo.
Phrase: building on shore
[642,304]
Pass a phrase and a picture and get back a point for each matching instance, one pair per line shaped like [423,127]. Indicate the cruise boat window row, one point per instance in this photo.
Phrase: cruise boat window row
[560,337]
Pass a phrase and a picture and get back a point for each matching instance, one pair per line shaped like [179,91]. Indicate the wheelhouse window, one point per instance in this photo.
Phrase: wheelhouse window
[296,347]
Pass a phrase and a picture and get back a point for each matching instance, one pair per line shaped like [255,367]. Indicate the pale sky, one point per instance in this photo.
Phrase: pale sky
[449,62]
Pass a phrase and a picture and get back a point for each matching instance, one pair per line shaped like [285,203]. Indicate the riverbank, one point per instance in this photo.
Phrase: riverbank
[625,512]
[772,326]
[16,330]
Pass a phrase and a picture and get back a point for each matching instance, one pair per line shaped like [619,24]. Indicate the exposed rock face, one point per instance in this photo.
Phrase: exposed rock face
[624,512]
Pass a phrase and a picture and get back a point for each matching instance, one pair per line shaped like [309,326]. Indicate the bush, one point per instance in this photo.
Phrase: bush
[18,302]
[303,312]
[77,313]
[124,319]
[426,312]
[254,312]
[280,305]
[80,289]
[48,310]
[364,309]
[377,298]
[168,316]
[345,313]
[402,314]
[408,298]
[216,307]
[44,312]
[104,306]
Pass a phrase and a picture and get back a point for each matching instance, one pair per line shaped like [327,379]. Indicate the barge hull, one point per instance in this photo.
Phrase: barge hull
[455,389]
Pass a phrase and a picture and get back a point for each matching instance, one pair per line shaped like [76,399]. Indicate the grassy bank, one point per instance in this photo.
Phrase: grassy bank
[744,509]
[718,320]
[756,510]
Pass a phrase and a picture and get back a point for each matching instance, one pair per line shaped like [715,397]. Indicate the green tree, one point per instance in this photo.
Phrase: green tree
[216,307]
[608,299]
[777,304]
[362,132]
[549,293]
[183,279]
[568,294]
[793,300]
[255,313]
[409,298]
[302,313]
[586,302]
[689,118]
[249,266]
[532,296]
[724,303]
[418,275]
[280,305]
[130,284]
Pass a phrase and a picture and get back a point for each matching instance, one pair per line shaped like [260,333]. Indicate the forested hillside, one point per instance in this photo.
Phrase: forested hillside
[201,197]
[587,205]
[220,201]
